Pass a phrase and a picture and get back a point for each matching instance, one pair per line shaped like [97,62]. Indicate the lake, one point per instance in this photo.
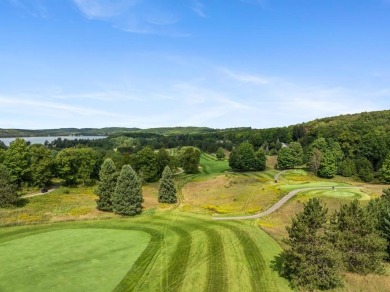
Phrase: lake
[41,140]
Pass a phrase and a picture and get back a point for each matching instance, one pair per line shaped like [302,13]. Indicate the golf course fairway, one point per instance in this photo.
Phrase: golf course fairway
[69,259]
[170,251]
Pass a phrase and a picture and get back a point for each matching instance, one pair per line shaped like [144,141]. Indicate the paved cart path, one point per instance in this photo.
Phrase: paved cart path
[39,194]
[280,203]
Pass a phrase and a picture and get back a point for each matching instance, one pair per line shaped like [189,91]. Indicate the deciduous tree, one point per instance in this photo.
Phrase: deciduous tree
[220,154]
[41,165]
[146,164]
[17,161]
[8,195]
[385,170]
[189,159]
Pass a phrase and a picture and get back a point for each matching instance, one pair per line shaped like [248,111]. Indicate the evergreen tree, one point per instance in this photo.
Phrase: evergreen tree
[220,154]
[357,238]
[311,262]
[105,191]
[385,230]
[167,190]
[379,209]
[8,195]
[127,199]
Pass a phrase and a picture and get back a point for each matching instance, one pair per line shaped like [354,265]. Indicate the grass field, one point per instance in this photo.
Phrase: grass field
[184,252]
[69,259]
[169,247]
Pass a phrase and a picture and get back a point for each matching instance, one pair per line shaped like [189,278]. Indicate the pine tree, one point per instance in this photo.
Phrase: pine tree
[379,210]
[108,177]
[357,238]
[385,229]
[167,190]
[127,199]
[311,262]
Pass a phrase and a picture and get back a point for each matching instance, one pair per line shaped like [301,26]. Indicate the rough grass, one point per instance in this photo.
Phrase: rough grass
[185,252]
[231,193]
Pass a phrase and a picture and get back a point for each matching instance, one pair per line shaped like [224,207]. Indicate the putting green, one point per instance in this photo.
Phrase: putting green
[70,259]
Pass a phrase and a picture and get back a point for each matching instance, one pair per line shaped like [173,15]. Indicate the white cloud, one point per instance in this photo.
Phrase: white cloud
[45,106]
[134,16]
[244,77]
[35,8]
[198,8]
[103,8]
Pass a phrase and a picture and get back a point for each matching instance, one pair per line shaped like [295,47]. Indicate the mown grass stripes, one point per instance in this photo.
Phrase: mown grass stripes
[165,265]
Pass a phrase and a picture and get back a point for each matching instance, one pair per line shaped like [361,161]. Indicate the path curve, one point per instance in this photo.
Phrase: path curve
[39,194]
[277,205]
[276,177]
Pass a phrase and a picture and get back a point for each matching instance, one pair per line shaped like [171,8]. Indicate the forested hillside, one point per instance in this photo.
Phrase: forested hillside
[349,145]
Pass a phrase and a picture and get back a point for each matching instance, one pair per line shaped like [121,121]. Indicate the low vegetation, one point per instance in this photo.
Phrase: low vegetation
[173,244]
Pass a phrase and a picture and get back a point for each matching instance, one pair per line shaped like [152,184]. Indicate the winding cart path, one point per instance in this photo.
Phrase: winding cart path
[280,203]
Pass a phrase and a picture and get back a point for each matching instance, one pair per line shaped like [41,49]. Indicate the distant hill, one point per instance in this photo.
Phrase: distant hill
[5,133]
[331,127]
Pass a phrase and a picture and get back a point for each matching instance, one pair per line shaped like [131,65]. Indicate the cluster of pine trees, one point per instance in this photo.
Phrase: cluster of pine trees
[122,192]
[354,239]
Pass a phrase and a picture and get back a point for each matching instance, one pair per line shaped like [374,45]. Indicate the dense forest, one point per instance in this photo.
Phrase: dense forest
[349,145]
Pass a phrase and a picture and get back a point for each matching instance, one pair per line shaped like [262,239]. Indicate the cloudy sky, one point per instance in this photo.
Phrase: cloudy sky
[215,63]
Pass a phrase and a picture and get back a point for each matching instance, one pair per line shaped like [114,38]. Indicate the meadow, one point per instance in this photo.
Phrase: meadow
[59,241]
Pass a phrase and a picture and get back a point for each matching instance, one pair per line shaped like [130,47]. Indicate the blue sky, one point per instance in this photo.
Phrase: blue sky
[216,63]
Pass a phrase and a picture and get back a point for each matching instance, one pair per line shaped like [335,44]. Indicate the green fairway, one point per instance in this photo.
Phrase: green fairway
[184,252]
[291,187]
[210,165]
[69,259]
[352,193]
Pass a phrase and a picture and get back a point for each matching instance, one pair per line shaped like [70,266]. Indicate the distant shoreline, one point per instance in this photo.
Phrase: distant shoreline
[42,139]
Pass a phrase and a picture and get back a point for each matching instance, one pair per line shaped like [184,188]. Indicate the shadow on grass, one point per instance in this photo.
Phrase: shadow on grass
[20,203]
[277,263]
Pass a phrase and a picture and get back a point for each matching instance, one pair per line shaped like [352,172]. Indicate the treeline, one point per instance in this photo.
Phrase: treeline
[37,165]
[350,145]
[322,246]
[99,132]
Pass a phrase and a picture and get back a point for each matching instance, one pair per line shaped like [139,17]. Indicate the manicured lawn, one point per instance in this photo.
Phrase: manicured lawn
[69,259]
[172,251]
